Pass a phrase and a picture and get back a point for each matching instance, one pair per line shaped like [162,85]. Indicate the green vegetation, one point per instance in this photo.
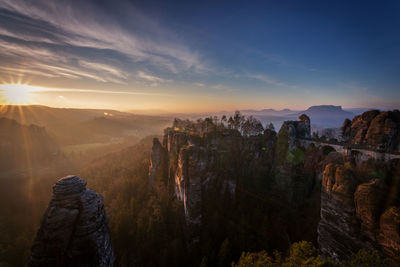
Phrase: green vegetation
[304,254]
[247,126]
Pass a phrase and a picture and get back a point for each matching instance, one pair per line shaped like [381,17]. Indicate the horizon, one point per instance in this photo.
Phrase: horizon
[199,57]
[155,112]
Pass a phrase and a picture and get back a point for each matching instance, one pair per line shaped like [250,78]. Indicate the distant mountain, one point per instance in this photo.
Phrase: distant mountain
[268,112]
[327,115]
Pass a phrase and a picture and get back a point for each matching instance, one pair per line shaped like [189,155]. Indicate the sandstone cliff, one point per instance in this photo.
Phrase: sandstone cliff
[375,129]
[197,161]
[358,212]
[351,205]
[74,229]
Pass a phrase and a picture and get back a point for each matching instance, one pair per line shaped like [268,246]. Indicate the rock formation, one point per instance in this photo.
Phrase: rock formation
[356,213]
[195,160]
[297,129]
[158,161]
[337,229]
[389,236]
[358,207]
[74,229]
[375,129]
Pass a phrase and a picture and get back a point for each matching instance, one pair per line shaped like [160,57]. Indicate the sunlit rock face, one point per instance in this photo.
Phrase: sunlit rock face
[380,130]
[191,173]
[74,230]
[389,236]
[338,229]
[356,213]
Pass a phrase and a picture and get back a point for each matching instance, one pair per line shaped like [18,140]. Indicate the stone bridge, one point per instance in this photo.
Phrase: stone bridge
[362,154]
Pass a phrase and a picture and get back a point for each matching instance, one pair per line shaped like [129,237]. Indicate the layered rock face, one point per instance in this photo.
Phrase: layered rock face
[380,130]
[338,229]
[196,162]
[74,230]
[158,161]
[357,213]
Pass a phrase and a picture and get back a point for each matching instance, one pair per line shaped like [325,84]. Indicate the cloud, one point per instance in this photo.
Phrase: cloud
[151,78]
[268,79]
[84,39]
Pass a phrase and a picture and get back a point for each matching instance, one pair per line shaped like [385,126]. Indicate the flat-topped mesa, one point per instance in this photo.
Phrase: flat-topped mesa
[74,229]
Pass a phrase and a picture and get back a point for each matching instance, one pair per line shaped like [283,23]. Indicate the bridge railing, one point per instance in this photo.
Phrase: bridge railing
[354,146]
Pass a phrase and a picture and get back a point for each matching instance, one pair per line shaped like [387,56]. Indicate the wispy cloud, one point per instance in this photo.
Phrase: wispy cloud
[78,39]
[269,80]
[151,78]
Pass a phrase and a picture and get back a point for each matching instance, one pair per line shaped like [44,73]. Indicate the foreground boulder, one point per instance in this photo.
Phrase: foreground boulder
[74,229]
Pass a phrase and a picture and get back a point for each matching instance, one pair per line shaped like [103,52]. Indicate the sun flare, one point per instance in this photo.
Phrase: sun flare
[17,94]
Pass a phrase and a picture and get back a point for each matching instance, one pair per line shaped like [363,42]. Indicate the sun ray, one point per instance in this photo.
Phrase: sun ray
[27,146]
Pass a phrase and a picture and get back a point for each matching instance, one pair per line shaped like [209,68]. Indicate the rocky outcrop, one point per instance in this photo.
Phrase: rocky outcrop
[297,129]
[338,228]
[389,236]
[158,162]
[192,172]
[202,162]
[190,161]
[74,229]
[375,129]
[354,215]
[368,200]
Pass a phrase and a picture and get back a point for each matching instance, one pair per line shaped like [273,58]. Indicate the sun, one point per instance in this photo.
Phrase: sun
[16,94]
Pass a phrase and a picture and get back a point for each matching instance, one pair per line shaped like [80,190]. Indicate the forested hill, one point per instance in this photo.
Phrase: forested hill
[23,146]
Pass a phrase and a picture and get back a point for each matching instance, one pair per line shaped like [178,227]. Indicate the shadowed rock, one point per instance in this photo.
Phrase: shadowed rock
[74,229]
[158,162]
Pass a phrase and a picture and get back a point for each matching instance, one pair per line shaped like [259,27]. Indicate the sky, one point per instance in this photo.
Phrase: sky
[200,55]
